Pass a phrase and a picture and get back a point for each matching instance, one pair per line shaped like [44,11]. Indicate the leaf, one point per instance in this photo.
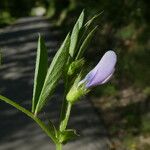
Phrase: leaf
[86,29]
[52,128]
[67,135]
[81,19]
[86,43]
[91,21]
[31,115]
[54,73]
[75,34]
[40,71]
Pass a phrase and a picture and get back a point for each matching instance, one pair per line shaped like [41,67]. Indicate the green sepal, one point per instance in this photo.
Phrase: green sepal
[76,91]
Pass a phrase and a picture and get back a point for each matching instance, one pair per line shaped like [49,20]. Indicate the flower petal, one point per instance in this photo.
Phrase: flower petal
[103,70]
[108,78]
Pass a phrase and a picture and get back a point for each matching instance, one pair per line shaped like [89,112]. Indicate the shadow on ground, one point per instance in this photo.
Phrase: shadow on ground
[17,132]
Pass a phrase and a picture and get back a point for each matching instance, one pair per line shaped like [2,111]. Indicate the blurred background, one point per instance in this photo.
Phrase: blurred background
[124,27]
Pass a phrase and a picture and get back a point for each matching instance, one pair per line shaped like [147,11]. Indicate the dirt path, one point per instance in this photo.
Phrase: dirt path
[17,132]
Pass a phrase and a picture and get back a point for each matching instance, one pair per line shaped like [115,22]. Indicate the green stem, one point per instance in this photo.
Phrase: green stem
[64,102]
[59,146]
[64,122]
[29,114]
[67,86]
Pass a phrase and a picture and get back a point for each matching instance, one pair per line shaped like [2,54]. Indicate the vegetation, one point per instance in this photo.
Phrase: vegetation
[123,27]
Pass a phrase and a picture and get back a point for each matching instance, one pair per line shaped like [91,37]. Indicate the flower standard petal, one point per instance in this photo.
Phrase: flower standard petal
[108,78]
[102,71]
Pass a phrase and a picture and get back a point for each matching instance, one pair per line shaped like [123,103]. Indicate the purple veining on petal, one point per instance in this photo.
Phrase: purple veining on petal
[102,71]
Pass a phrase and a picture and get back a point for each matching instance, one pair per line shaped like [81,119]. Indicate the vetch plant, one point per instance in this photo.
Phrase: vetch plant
[67,64]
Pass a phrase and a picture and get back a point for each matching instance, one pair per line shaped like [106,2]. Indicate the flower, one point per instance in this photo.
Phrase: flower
[102,72]
[97,76]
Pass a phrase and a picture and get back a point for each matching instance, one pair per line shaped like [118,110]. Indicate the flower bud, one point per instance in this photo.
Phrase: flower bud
[75,66]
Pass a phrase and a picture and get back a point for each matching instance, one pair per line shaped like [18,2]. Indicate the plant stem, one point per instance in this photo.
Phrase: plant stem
[64,122]
[64,102]
[29,114]
[67,86]
[59,146]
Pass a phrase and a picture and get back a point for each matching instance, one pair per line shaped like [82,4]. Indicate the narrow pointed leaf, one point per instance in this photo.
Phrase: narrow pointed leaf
[81,19]
[86,43]
[29,114]
[92,21]
[40,71]
[54,73]
[86,29]
[75,34]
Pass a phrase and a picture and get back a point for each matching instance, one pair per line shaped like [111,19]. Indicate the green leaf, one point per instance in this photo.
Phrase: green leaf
[40,71]
[67,135]
[54,73]
[75,34]
[86,29]
[31,115]
[81,19]
[52,128]
[92,21]
[86,43]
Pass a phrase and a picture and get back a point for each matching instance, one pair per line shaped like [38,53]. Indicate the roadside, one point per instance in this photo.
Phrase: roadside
[127,118]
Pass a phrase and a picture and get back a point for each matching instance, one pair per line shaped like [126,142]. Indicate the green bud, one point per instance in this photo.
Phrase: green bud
[75,66]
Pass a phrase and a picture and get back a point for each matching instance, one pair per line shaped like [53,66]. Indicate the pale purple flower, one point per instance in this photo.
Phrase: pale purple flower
[102,71]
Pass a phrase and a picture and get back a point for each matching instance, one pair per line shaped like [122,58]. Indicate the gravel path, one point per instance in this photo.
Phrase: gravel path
[17,132]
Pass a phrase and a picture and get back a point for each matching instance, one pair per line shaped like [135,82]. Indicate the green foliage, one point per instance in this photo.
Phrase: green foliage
[146,124]
[5,18]
[126,32]
[75,66]
[40,71]
[85,43]
[43,126]
[76,91]
[67,135]
[54,74]
[75,34]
